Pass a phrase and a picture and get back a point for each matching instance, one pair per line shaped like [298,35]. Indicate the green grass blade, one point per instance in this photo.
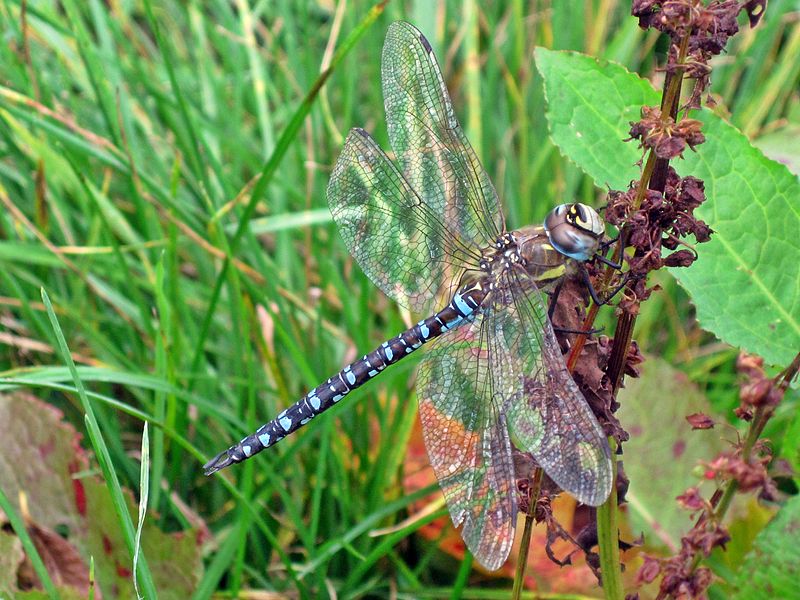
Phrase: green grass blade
[101,449]
[144,496]
[271,167]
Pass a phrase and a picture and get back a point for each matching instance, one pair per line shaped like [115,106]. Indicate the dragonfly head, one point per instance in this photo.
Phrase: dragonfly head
[575,230]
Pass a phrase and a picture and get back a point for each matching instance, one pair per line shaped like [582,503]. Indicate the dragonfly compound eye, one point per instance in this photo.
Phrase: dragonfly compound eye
[574,230]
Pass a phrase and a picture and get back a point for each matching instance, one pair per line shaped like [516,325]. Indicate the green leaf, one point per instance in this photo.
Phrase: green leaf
[772,568]
[666,448]
[744,285]
[590,104]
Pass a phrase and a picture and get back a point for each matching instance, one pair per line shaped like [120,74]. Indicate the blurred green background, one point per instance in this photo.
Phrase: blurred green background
[132,136]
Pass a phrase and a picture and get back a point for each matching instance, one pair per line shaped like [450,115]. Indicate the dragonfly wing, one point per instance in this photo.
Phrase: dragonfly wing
[466,436]
[431,149]
[397,240]
[550,417]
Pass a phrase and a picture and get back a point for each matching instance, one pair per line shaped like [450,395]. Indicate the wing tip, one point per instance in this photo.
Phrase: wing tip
[594,499]
[404,27]
[490,554]
[425,43]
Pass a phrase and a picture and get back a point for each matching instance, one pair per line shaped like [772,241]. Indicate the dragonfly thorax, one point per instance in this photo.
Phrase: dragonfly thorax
[503,254]
[570,231]
[539,258]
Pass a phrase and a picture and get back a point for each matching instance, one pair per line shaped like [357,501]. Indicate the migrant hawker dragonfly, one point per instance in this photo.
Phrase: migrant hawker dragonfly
[427,228]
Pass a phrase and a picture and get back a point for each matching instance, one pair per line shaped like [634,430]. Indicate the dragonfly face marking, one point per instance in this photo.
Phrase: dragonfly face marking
[426,226]
[575,230]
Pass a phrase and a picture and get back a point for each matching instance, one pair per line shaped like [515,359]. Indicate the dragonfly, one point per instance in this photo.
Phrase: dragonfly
[428,230]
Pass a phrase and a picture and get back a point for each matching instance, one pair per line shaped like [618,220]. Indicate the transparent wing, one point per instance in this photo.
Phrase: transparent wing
[431,149]
[549,416]
[399,241]
[467,439]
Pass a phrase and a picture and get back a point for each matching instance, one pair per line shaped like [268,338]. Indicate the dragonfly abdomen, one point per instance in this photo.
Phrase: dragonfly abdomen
[460,310]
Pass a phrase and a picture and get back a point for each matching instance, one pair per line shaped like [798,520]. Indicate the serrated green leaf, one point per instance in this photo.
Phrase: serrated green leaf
[745,284]
[772,568]
[590,104]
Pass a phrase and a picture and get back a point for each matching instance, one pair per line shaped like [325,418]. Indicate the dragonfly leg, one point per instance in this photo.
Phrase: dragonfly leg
[625,279]
[594,331]
[551,308]
[601,251]
[605,245]
[587,281]
[610,263]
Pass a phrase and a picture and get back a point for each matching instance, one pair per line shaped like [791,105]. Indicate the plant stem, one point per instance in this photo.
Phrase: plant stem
[654,178]
[525,543]
[607,541]
[580,340]
[762,415]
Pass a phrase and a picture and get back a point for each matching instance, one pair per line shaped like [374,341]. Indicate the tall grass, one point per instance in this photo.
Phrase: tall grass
[133,137]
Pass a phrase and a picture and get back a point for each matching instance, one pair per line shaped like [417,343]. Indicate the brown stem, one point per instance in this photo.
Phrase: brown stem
[623,335]
[654,177]
[580,340]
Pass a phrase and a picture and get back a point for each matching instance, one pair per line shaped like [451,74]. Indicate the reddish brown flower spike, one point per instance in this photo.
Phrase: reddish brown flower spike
[663,135]
[700,421]
[743,413]
[749,364]
[651,568]
[756,392]
[691,499]
[681,258]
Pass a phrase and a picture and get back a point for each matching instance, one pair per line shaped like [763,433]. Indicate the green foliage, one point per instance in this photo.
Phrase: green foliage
[741,286]
[590,105]
[771,568]
[663,453]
